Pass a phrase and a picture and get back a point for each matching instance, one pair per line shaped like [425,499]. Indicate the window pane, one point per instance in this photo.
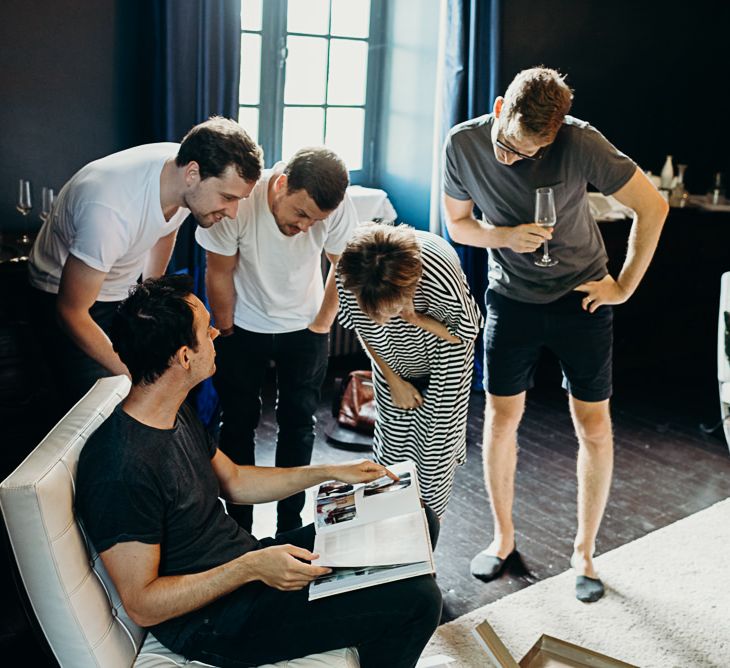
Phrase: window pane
[348,72]
[251,15]
[345,128]
[248,92]
[351,18]
[306,70]
[310,16]
[302,127]
[248,119]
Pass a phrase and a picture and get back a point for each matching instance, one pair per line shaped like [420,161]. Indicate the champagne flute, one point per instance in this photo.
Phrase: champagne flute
[48,197]
[545,217]
[24,206]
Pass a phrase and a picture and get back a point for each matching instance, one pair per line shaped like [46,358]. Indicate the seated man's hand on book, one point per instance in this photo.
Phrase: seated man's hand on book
[364,471]
[284,567]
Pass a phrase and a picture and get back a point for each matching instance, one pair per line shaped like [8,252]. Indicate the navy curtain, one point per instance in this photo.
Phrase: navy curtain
[470,85]
[197,65]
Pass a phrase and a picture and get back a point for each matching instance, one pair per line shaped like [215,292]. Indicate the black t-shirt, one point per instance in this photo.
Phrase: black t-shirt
[157,486]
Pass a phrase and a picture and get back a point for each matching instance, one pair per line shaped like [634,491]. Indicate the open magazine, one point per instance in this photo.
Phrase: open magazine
[370,533]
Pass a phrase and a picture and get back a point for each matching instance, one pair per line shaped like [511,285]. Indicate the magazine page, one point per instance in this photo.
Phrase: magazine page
[339,504]
[341,580]
[395,540]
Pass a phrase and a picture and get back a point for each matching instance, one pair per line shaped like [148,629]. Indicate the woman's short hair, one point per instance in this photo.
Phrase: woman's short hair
[152,324]
[381,265]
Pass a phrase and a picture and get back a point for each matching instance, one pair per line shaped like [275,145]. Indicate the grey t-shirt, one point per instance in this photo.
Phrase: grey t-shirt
[580,155]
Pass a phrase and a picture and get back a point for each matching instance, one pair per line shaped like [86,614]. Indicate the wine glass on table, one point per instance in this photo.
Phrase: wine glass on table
[24,206]
[48,197]
[545,217]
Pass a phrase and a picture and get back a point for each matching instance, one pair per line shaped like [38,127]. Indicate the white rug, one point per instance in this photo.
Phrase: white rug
[667,603]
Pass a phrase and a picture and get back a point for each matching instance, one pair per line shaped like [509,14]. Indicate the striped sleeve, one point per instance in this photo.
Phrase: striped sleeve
[446,290]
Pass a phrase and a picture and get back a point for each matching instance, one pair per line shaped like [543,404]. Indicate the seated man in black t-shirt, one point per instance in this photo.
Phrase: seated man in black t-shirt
[148,488]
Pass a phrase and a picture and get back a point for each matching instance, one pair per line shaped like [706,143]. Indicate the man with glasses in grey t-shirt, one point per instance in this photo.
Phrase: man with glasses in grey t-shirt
[496,162]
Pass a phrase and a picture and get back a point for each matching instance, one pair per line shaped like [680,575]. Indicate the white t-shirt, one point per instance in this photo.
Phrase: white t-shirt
[108,216]
[278,279]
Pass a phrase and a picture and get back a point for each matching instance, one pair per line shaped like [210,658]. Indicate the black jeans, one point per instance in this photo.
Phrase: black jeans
[301,364]
[389,624]
[73,371]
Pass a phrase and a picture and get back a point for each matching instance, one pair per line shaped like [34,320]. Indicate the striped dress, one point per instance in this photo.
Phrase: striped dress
[433,435]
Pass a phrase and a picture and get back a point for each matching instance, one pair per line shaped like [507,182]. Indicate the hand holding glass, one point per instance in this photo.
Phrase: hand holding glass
[545,217]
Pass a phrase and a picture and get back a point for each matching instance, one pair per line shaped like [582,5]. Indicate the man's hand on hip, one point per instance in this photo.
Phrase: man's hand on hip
[599,293]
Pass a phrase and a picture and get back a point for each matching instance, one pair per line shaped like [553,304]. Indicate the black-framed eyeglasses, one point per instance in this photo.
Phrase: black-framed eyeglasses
[536,156]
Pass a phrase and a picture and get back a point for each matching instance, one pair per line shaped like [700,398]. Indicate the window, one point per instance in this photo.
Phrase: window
[309,76]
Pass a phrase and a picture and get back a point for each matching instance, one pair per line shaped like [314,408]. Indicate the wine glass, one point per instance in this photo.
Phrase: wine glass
[48,197]
[24,206]
[545,217]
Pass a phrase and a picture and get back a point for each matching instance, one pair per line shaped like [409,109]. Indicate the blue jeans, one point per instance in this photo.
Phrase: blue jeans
[301,364]
[389,624]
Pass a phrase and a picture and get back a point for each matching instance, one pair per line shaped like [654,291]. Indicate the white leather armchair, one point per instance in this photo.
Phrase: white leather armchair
[72,597]
[723,353]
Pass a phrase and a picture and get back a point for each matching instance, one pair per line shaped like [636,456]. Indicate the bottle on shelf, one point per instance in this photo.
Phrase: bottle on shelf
[679,195]
[667,174]
[718,190]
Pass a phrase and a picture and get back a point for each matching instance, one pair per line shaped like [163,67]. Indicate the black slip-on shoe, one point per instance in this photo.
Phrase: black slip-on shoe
[588,590]
[488,567]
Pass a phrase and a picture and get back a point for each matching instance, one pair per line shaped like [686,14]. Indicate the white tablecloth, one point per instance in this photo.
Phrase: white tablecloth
[371,204]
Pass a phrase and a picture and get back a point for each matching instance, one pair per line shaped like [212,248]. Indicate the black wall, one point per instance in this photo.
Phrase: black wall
[74,82]
[652,76]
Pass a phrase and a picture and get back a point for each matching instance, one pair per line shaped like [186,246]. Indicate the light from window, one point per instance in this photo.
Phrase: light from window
[306,70]
[324,83]
[351,18]
[303,126]
[308,16]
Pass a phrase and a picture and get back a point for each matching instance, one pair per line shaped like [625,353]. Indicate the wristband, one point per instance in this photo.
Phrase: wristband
[226,332]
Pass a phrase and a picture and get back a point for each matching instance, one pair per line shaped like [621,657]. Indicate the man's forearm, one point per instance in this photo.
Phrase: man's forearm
[472,232]
[171,596]
[643,240]
[330,303]
[91,339]
[222,298]
[261,484]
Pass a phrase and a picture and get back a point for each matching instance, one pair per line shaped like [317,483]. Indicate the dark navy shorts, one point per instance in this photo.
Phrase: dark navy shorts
[516,333]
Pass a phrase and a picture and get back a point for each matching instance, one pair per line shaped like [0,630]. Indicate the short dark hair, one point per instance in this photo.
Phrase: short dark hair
[217,143]
[380,265]
[152,324]
[321,172]
[536,103]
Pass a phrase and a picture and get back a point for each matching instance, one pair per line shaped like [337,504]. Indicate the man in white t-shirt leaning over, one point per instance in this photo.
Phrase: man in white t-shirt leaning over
[265,288]
[116,220]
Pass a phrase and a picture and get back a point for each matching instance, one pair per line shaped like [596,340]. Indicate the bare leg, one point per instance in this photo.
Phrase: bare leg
[499,451]
[592,422]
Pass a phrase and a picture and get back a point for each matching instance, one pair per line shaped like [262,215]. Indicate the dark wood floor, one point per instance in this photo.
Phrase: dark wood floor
[666,468]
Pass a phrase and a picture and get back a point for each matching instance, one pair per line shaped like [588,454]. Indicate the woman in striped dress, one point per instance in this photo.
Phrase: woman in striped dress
[404,293]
